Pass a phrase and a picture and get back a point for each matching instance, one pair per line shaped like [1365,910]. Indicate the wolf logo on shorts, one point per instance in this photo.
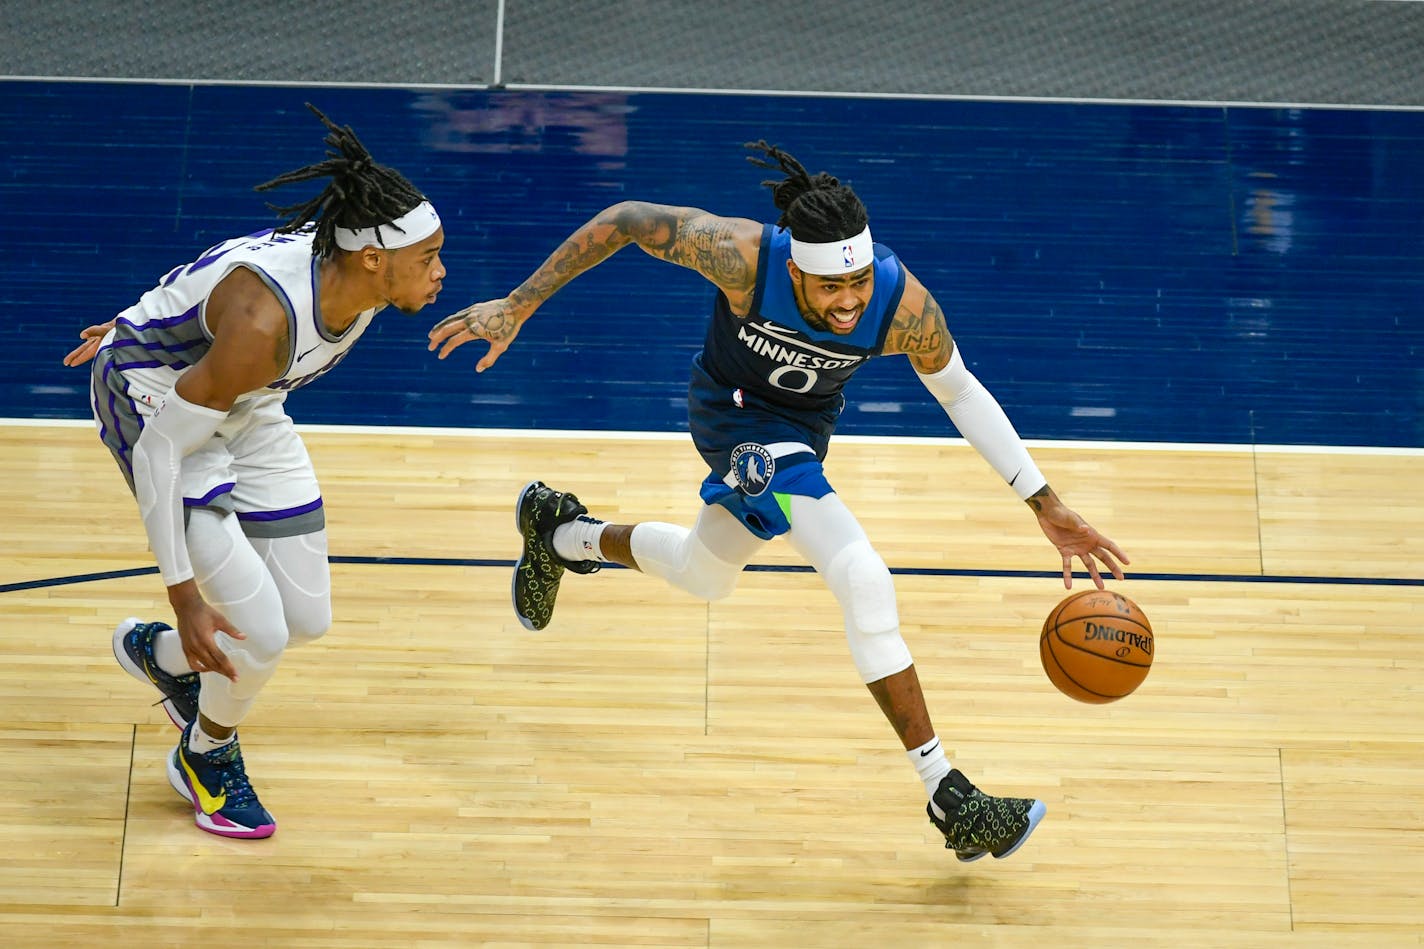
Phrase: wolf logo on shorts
[753,467]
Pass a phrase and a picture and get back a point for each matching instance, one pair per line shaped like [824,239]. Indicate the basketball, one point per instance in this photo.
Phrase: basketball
[1096,646]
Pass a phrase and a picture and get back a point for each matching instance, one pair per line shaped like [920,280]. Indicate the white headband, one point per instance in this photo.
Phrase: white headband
[835,257]
[411,227]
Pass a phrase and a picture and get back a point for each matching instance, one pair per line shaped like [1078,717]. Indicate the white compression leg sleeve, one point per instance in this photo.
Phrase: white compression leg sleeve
[704,561]
[234,580]
[299,567]
[827,534]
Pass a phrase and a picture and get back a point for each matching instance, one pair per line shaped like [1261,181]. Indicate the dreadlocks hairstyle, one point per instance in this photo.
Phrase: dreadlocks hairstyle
[361,192]
[815,207]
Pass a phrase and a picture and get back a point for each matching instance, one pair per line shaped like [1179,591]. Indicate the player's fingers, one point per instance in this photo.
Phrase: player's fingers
[1116,550]
[454,343]
[82,353]
[1067,571]
[446,328]
[209,658]
[490,358]
[1092,566]
[223,666]
[1108,562]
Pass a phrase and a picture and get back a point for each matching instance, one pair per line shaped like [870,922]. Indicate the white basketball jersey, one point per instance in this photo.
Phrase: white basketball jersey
[162,335]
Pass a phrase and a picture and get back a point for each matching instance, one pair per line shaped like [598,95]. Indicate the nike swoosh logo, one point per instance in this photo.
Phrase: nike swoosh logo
[209,804]
[1015,477]
[788,337]
[308,352]
[930,750]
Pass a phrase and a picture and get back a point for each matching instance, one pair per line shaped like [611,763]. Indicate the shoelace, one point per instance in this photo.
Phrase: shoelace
[228,762]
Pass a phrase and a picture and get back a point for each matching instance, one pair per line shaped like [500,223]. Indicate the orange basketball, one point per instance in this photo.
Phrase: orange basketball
[1096,646]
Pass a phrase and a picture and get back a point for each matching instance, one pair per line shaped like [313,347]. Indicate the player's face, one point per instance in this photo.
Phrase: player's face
[833,303]
[414,274]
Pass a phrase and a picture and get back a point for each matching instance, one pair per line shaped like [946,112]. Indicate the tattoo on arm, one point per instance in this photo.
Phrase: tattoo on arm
[692,238]
[919,333]
[585,248]
[708,245]
[688,237]
[490,321]
[1036,499]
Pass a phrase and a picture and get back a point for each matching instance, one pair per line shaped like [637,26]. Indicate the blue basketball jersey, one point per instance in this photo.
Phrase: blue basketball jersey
[771,377]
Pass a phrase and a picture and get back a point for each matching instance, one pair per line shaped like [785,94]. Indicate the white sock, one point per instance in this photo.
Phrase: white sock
[168,653]
[931,765]
[578,539]
[200,742]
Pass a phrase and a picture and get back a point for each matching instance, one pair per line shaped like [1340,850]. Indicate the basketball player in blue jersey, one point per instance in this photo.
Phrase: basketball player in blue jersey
[189,386]
[803,305]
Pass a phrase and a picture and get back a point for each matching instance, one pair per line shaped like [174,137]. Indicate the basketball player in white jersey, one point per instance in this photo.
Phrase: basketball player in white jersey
[189,386]
[803,305]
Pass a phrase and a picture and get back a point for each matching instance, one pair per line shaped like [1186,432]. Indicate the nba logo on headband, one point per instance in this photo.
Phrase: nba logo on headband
[831,258]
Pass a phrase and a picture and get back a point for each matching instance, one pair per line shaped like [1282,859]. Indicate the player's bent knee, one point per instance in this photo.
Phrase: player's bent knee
[254,659]
[307,621]
[682,559]
[708,576]
[264,643]
[863,586]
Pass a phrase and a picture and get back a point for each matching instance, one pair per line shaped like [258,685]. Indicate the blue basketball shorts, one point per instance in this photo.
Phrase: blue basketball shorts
[760,482]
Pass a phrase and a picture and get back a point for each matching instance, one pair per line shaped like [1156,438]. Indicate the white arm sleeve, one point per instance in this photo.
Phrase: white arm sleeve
[176,429]
[982,422]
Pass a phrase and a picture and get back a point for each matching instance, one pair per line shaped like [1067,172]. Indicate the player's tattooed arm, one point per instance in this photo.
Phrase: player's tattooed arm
[722,249]
[918,329]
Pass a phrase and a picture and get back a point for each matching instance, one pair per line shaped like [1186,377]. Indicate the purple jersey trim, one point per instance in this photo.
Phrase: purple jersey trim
[279,515]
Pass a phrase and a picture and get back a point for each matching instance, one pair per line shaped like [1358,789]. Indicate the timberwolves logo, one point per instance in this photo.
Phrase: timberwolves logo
[753,467]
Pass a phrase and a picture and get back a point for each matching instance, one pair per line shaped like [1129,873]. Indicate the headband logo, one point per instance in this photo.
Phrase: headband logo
[848,255]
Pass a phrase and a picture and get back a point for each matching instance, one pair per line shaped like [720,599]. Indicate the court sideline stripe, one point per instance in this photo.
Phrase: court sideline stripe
[779,568]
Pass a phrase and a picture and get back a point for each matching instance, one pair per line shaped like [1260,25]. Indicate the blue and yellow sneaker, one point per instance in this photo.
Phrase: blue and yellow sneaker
[976,824]
[133,648]
[535,585]
[216,785]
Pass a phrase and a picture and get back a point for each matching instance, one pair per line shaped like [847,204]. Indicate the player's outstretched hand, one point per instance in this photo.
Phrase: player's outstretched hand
[493,320]
[1075,537]
[92,336]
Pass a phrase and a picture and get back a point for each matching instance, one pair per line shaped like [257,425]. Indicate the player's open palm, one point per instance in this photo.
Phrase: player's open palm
[1075,537]
[495,321]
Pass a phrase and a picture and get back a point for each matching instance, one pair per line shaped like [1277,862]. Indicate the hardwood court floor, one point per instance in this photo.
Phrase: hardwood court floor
[653,770]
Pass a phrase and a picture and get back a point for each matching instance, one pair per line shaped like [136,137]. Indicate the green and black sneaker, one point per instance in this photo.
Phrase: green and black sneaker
[976,824]
[538,511]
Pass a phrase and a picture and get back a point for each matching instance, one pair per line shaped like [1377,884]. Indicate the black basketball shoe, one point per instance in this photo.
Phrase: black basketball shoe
[133,648]
[538,511]
[976,824]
